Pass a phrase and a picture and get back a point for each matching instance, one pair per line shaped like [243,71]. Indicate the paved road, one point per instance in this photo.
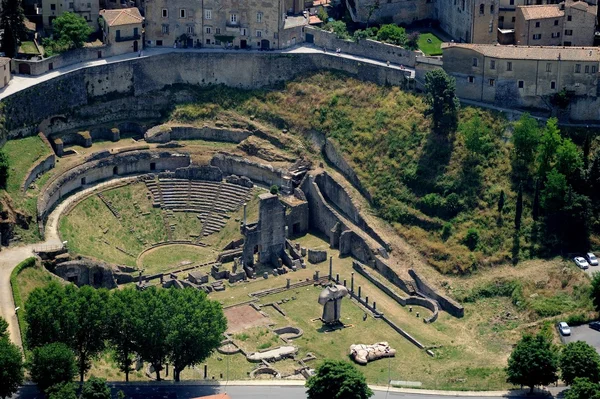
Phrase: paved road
[20,82]
[187,391]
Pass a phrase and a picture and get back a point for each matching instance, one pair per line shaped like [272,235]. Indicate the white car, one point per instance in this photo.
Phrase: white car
[591,258]
[581,262]
[564,328]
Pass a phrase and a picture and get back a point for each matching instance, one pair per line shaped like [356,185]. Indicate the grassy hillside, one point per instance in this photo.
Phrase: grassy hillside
[428,185]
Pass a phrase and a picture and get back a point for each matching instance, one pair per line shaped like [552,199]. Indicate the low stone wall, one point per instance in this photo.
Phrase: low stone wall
[316,256]
[334,155]
[364,47]
[103,169]
[202,172]
[166,133]
[260,173]
[39,67]
[448,304]
[41,167]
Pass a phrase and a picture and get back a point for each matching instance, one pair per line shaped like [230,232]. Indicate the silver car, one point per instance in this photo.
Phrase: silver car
[564,328]
[591,258]
[581,262]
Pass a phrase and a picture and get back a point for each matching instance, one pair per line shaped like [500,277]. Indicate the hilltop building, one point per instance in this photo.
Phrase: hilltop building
[122,29]
[87,9]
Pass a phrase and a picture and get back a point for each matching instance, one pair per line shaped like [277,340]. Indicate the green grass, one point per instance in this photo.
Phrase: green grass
[22,155]
[430,44]
[28,48]
[171,257]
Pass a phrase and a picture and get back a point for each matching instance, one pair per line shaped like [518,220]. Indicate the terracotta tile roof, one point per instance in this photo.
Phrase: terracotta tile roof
[531,52]
[4,61]
[320,2]
[30,25]
[125,16]
[313,20]
[542,11]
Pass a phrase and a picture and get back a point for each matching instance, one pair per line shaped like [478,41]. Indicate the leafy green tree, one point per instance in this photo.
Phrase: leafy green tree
[4,169]
[65,390]
[335,379]
[392,34]
[412,41]
[196,326]
[274,189]
[582,388]
[549,143]
[553,195]
[443,105]
[579,359]
[519,209]
[12,21]
[95,388]
[477,136]
[121,325]
[339,28]
[52,364]
[533,361]
[471,239]
[525,138]
[11,367]
[535,208]
[71,29]
[595,291]
[3,328]
[569,160]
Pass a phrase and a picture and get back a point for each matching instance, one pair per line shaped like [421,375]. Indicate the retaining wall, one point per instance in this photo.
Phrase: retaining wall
[39,67]
[239,166]
[364,47]
[181,132]
[448,304]
[40,167]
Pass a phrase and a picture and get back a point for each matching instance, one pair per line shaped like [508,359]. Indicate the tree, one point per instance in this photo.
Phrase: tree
[335,379]
[595,292]
[196,326]
[12,20]
[547,147]
[519,209]
[525,138]
[501,200]
[71,29]
[65,390]
[4,169]
[471,239]
[392,34]
[443,105]
[274,189]
[11,367]
[579,359]
[3,328]
[121,326]
[477,136]
[95,388]
[569,160]
[533,362]
[582,388]
[52,364]
[553,195]
[90,310]
[535,208]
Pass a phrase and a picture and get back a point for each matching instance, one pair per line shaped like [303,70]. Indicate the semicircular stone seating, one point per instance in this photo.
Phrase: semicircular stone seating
[211,200]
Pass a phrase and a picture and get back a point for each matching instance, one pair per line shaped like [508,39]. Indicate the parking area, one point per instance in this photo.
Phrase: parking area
[592,269]
[583,333]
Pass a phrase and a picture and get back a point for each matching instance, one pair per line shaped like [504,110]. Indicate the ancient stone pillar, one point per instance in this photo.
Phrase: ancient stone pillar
[330,268]
[359,292]
[244,214]
[352,283]
[287,285]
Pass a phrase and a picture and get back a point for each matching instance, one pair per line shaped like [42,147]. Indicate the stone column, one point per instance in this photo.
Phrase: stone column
[245,214]
[287,285]
[330,268]
[352,283]
[359,292]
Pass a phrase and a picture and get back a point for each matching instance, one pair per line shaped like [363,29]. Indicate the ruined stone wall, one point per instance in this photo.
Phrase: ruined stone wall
[334,155]
[448,304]
[165,133]
[133,78]
[105,168]
[41,167]
[202,172]
[259,173]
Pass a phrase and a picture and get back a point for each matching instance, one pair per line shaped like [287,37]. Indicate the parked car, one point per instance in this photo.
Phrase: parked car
[595,325]
[581,262]
[564,328]
[591,258]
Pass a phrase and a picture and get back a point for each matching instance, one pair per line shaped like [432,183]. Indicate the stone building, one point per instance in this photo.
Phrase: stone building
[471,21]
[571,23]
[525,77]
[231,23]
[396,11]
[4,71]
[88,9]
[122,29]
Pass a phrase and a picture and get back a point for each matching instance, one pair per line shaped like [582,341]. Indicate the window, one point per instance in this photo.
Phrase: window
[71,6]
[512,2]
[243,32]
[555,35]
[513,19]
[481,9]
[492,64]
[556,22]
[207,41]
[165,29]
[553,85]
[159,42]
[165,13]
[548,67]
[509,66]
[275,35]
[118,33]
[566,44]
[259,16]
[182,13]
[258,33]
[492,82]
[190,29]
[593,68]
[89,5]
[208,30]
[53,7]
[577,68]
[587,69]
[492,9]
[475,63]
[218,31]
[537,24]
[233,18]
[568,32]
[521,84]
[537,36]
[207,14]
[569,18]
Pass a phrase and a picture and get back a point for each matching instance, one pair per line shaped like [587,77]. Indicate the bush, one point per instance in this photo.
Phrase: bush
[339,28]
[471,239]
[446,231]
[4,169]
[392,34]
[431,204]
[29,262]
[274,189]
[52,364]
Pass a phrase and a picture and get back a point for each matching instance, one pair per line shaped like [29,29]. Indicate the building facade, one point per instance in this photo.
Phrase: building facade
[87,9]
[524,77]
[231,23]
[4,71]
[122,30]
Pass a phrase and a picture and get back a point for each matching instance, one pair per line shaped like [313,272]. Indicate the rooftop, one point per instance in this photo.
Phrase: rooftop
[531,52]
[541,11]
[293,21]
[125,16]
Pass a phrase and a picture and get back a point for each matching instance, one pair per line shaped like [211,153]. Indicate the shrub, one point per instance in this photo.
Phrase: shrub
[339,28]
[392,34]
[4,169]
[412,41]
[452,205]
[446,231]
[274,189]
[432,204]
[471,239]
